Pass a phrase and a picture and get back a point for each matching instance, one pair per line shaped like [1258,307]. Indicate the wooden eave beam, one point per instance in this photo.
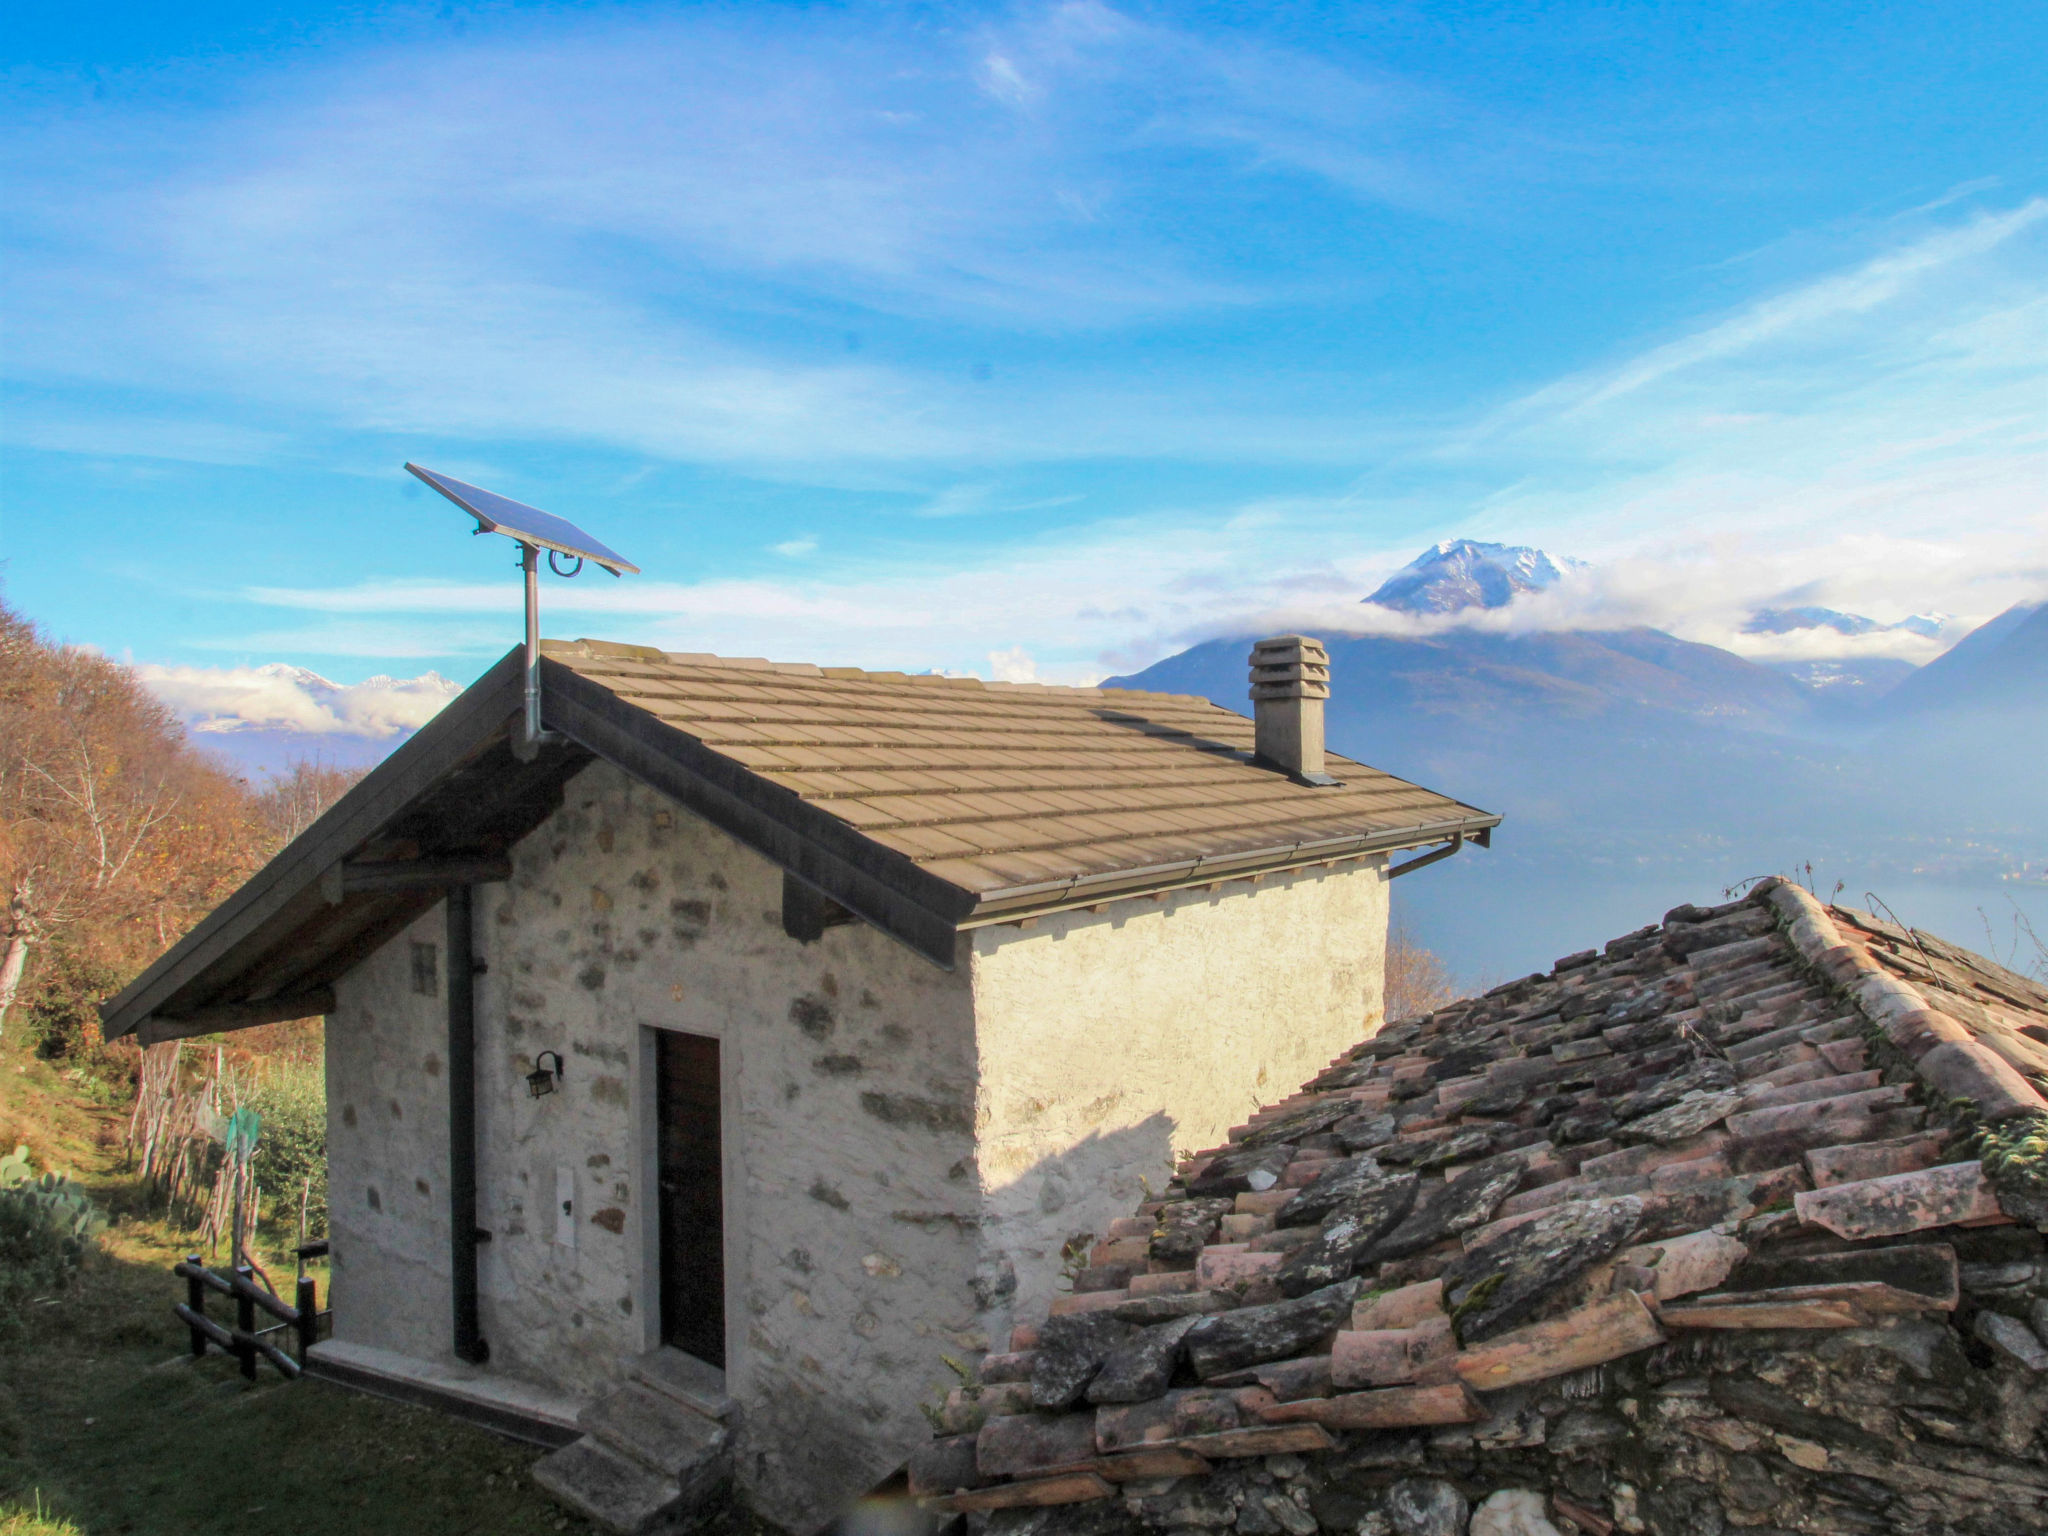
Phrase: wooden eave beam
[350,878]
[159,1027]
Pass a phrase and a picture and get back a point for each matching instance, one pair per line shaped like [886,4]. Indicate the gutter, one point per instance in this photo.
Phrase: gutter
[1045,897]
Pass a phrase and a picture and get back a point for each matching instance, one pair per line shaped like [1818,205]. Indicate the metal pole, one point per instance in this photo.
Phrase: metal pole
[529,563]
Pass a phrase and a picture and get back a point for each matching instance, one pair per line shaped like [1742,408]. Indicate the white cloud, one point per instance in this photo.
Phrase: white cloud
[796,549]
[225,700]
[1012,666]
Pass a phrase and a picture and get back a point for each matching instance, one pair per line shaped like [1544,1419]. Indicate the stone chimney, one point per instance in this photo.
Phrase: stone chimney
[1290,680]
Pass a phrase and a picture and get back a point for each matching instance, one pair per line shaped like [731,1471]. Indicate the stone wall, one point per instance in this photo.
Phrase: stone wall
[1109,1041]
[850,1182]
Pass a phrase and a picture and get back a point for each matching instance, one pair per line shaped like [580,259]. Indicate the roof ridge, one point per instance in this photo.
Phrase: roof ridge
[1946,1054]
[626,651]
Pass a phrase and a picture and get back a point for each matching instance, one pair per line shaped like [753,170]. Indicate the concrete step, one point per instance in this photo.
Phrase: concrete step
[613,1492]
[663,1435]
[688,1380]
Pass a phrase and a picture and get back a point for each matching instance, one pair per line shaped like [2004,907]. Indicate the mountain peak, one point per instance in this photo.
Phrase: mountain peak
[1785,621]
[1466,573]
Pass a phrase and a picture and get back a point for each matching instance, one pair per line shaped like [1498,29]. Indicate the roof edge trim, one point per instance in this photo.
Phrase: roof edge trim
[472,718]
[878,885]
[1045,896]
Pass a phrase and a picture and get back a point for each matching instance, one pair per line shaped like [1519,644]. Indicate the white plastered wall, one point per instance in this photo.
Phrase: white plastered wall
[1109,1041]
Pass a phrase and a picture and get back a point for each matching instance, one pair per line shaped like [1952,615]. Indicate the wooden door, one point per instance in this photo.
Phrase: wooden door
[692,1196]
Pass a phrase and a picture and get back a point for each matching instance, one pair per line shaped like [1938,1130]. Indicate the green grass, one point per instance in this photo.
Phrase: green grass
[107,1426]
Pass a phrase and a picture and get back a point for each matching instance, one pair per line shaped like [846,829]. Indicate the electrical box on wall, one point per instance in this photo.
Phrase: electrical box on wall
[565,1206]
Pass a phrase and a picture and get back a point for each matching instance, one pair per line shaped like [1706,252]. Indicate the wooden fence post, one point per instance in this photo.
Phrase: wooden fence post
[307,1298]
[245,1319]
[195,1298]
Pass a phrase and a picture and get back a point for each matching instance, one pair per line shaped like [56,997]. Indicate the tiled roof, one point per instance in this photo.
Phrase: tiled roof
[1669,1161]
[1021,793]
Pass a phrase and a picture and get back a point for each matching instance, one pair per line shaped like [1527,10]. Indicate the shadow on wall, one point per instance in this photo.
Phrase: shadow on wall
[1062,1201]
[1070,1198]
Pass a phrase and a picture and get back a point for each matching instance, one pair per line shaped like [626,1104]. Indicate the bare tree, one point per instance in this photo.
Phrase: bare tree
[1418,981]
[295,800]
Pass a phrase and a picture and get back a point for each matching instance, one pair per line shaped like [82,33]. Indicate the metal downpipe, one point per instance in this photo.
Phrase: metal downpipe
[462,1223]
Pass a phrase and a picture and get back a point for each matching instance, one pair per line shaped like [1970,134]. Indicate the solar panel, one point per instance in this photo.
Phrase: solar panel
[529,525]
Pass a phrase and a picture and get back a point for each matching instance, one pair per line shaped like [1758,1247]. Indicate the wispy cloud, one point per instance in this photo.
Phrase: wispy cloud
[648,234]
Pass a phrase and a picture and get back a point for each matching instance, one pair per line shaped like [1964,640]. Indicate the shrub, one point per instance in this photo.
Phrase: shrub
[46,1225]
[292,1146]
[62,1019]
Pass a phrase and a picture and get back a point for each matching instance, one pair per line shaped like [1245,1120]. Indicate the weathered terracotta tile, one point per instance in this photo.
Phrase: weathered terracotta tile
[1761,1097]
[1388,1357]
[1266,1440]
[1875,1298]
[1262,1202]
[1649,1157]
[1698,1261]
[1018,1444]
[1593,1335]
[1793,1314]
[1138,1466]
[1901,1202]
[1698,1170]
[1227,1264]
[1790,1117]
[1008,1367]
[1391,1408]
[1168,1283]
[1875,1160]
[1402,1308]
[1087,1301]
[1041,1492]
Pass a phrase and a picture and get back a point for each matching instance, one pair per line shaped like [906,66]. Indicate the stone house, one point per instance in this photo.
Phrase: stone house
[702,1079]
[1734,1225]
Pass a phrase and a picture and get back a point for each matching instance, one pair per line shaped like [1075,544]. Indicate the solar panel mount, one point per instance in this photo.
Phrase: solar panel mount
[534,531]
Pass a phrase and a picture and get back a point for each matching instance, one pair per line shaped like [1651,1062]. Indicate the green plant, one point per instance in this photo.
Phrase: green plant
[62,1019]
[23,1521]
[46,1225]
[2015,1157]
[291,1153]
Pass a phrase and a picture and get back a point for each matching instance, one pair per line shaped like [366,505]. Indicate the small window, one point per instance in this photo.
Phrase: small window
[426,970]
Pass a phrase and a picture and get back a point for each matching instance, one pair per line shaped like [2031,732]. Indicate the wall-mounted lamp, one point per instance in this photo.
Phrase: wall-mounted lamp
[541,1081]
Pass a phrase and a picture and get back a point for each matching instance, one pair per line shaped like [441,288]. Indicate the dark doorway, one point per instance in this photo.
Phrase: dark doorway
[692,1196]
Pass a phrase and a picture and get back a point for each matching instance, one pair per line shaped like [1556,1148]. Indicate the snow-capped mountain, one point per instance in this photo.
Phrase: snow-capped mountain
[1464,573]
[1787,621]
[266,716]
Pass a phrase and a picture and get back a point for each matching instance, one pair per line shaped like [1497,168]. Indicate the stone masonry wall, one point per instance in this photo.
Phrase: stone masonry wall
[849,1085]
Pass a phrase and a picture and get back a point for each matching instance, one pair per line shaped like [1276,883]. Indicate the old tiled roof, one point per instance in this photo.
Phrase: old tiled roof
[1692,1230]
[1022,795]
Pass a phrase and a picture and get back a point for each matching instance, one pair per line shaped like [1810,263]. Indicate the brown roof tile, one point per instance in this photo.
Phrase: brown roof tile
[1004,786]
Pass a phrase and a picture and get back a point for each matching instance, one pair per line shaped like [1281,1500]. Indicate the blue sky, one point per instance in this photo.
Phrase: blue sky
[1031,340]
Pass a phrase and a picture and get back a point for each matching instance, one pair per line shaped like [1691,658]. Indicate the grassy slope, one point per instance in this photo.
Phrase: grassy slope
[105,1422]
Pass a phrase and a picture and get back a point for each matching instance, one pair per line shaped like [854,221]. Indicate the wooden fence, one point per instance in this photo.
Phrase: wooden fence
[245,1340]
